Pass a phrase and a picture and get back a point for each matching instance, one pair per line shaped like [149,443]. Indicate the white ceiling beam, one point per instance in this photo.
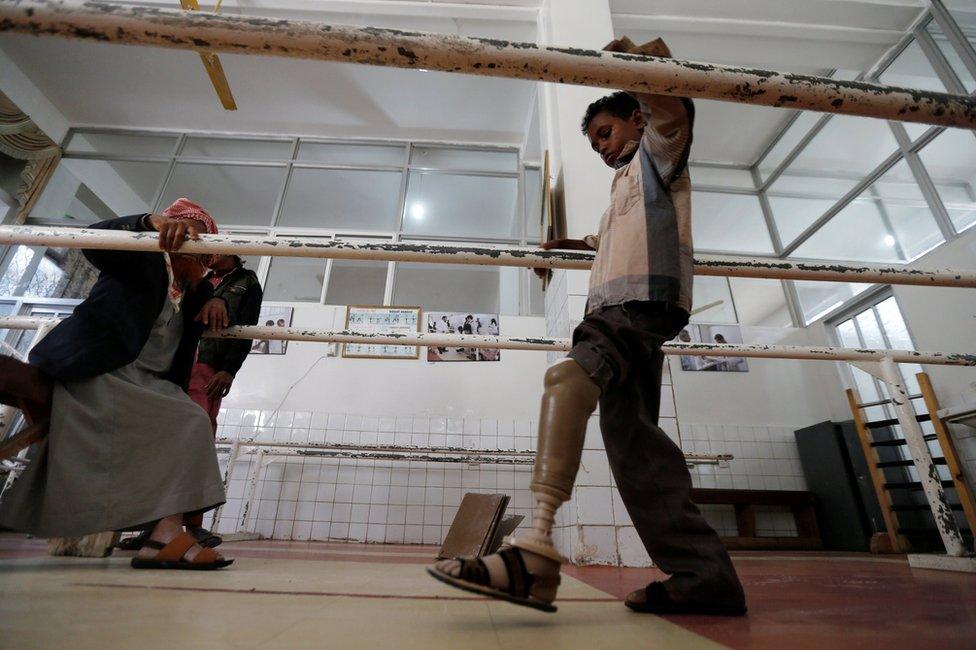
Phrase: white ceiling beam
[753,29]
[506,11]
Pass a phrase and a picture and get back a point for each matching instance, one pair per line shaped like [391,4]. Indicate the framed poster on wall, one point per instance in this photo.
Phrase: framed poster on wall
[380,318]
[273,316]
[443,322]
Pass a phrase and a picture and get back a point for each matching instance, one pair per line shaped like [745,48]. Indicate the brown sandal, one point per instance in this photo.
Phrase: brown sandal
[172,556]
[473,577]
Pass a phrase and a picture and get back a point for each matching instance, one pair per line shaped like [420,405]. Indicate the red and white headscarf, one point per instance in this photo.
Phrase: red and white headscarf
[185,209]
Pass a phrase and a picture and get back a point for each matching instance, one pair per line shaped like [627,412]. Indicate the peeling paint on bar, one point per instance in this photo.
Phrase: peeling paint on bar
[424,339]
[519,256]
[115,23]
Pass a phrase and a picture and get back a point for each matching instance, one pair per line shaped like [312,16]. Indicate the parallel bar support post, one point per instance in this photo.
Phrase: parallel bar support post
[963,490]
[249,505]
[928,473]
[235,450]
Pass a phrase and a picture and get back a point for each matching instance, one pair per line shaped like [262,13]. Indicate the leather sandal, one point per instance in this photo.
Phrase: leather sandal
[474,577]
[173,556]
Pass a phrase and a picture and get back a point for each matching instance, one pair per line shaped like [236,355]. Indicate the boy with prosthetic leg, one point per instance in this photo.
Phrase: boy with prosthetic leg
[639,298]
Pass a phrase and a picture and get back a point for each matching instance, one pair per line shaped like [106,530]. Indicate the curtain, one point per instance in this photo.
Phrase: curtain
[20,138]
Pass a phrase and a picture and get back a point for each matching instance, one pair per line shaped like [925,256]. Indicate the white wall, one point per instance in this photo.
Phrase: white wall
[944,319]
[510,387]
[775,392]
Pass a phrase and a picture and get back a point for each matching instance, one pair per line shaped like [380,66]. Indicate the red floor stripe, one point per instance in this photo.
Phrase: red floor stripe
[333,594]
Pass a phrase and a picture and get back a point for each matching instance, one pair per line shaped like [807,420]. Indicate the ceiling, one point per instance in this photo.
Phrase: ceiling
[805,36]
[96,84]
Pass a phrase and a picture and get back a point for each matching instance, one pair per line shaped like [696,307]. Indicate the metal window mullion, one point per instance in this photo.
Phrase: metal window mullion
[924,182]
[793,304]
[154,208]
[852,194]
[939,63]
[280,199]
[767,212]
[326,278]
[797,150]
[955,35]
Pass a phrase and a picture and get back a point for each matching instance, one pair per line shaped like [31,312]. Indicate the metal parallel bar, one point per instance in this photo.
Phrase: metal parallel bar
[424,339]
[918,449]
[400,452]
[112,23]
[447,253]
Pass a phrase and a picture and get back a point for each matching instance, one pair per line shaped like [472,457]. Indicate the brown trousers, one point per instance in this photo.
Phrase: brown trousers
[620,348]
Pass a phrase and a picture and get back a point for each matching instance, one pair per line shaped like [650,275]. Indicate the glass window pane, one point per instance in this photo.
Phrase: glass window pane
[912,70]
[466,159]
[843,153]
[889,222]
[955,61]
[793,214]
[82,192]
[729,222]
[236,149]
[122,144]
[759,302]
[721,177]
[327,198]
[894,325]
[356,283]
[951,162]
[437,287]
[964,13]
[712,301]
[62,273]
[13,276]
[352,154]
[461,206]
[870,330]
[794,133]
[233,194]
[819,298]
[848,334]
[295,279]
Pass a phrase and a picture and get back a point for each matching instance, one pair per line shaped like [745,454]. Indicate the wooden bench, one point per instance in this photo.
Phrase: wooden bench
[745,502]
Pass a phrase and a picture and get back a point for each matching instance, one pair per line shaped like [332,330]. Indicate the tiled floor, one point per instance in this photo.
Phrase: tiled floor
[291,594]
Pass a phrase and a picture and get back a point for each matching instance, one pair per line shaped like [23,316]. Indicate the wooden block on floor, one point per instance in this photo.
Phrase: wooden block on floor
[474,525]
[95,545]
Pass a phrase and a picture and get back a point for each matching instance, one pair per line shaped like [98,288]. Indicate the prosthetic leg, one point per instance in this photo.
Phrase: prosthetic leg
[526,571]
[569,399]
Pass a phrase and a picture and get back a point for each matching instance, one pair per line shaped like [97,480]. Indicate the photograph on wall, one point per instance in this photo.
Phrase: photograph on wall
[444,322]
[712,334]
[379,318]
[272,317]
